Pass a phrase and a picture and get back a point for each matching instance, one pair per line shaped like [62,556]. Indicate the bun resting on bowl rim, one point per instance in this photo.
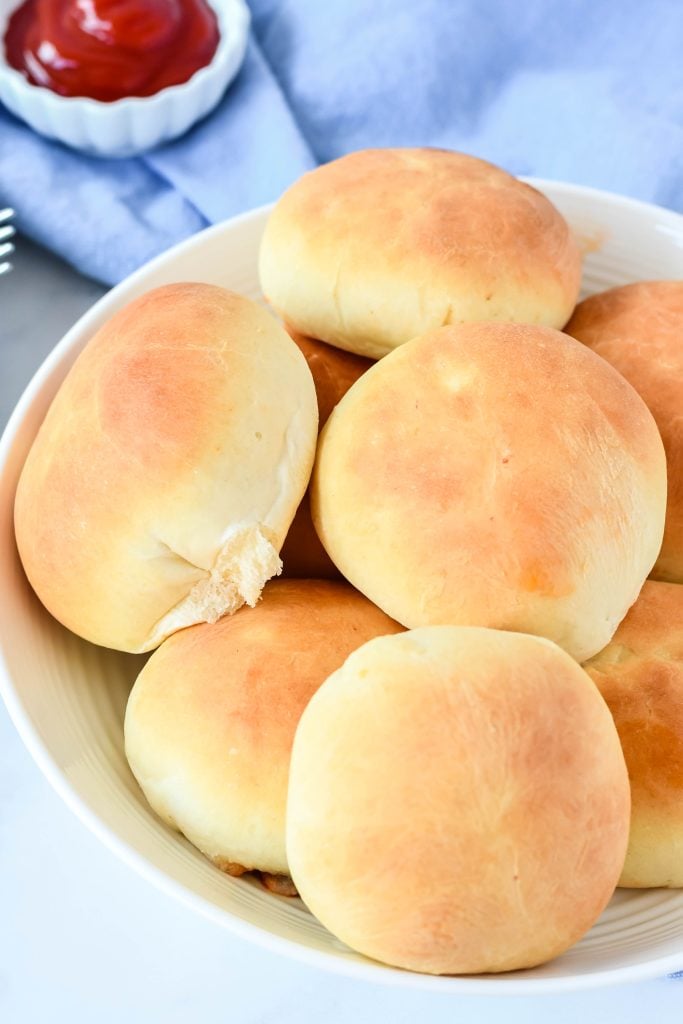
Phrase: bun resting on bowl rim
[640,676]
[211,719]
[161,484]
[458,801]
[379,246]
[638,328]
[491,474]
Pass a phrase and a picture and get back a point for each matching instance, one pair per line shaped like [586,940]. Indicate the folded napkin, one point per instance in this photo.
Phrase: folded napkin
[589,92]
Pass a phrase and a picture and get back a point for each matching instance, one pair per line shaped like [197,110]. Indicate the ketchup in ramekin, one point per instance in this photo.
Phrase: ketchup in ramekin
[109,49]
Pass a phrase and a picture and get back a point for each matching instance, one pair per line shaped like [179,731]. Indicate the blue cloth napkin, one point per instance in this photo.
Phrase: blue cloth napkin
[589,91]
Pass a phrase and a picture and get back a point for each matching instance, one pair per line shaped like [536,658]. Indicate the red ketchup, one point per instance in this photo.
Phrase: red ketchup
[108,49]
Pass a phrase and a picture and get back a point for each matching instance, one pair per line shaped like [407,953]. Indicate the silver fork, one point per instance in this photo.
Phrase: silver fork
[6,232]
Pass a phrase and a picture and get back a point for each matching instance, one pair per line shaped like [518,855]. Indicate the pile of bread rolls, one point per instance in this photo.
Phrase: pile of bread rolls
[455,724]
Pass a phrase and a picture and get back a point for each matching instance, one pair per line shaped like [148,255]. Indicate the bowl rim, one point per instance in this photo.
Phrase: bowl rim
[234,20]
[369,970]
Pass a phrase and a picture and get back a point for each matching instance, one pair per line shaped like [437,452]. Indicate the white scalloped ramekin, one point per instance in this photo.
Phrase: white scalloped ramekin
[134,124]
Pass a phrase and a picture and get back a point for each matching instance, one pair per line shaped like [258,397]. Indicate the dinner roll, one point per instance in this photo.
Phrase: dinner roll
[639,329]
[379,246]
[211,719]
[163,480]
[640,675]
[498,475]
[458,801]
[333,371]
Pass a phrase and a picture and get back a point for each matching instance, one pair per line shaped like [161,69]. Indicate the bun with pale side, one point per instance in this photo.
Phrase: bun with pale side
[211,719]
[458,801]
[161,485]
[333,371]
[640,675]
[500,475]
[639,329]
[373,249]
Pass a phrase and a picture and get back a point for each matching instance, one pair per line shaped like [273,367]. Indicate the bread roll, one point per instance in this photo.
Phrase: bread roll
[382,245]
[163,480]
[211,719]
[458,801]
[333,371]
[639,329]
[498,475]
[640,675]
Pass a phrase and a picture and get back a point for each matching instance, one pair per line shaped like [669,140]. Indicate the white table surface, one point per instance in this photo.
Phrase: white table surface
[83,939]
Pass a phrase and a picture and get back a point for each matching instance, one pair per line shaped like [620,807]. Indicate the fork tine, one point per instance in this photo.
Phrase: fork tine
[6,231]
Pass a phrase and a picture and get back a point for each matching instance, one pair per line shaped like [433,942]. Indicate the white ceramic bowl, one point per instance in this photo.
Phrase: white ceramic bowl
[67,697]
[128,126]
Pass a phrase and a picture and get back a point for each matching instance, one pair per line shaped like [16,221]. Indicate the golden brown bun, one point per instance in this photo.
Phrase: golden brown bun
[382,245]
[163,480]
[639,329]
[333,371]
[458,801]
[640,675]
[498,475]
[303,556]
[211,719]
